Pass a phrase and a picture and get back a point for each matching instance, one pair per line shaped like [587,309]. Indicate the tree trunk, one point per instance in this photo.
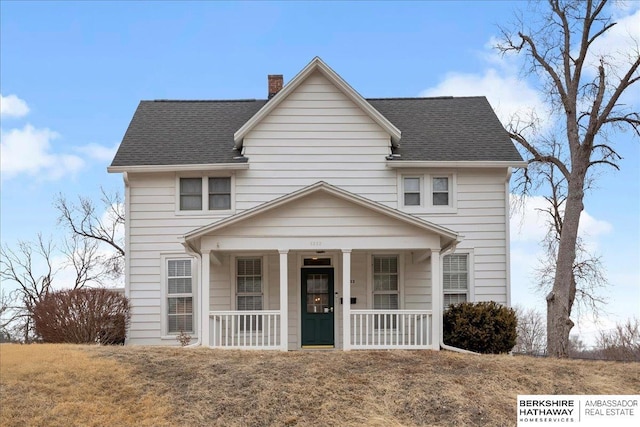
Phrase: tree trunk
[560,299]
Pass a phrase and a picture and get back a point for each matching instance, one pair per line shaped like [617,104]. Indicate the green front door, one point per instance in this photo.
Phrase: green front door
[317,307]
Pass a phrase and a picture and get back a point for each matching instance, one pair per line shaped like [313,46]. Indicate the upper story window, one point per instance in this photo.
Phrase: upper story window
[205,194]
[190,194]
[219,193]
[428,192]
[440,191]
[412,191]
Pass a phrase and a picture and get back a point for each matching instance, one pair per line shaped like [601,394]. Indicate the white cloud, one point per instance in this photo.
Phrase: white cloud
[529,224]
[507,94]
[29,150]
[98,152]
[592,227]
[619,43]
[12,106]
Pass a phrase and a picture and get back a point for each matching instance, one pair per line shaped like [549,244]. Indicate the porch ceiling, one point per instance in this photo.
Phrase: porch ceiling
[320,217]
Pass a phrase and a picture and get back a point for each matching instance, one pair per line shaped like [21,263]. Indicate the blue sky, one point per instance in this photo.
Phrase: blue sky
[77,71]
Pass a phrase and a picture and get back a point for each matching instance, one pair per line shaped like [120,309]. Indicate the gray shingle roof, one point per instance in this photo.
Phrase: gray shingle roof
[184,132]
[448,129]
[201,132]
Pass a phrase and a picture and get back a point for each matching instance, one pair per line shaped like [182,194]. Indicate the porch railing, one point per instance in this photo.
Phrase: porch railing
[259,330]
[391,329]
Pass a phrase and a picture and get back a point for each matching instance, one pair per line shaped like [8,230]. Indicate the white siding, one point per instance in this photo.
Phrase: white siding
[480,217]
[320,215]
[222,285]
[416,279]
[317,133]
[154,231]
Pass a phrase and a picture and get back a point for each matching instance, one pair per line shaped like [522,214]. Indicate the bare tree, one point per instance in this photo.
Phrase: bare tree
[8,315]
[621,343]
[103,226]
[83,257]
[558,51]
[30,268]
[577,348]
[531,332]
[588,271]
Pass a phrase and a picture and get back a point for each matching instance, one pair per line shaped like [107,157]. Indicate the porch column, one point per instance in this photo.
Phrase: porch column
[284,293]
[346,299]
[204,298]
[436,299]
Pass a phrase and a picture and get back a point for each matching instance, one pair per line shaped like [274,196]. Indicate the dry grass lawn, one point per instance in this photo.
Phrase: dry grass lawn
[201,387]
[63,385]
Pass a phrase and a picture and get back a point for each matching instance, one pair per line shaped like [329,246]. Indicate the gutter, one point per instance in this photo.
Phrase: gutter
[191,251]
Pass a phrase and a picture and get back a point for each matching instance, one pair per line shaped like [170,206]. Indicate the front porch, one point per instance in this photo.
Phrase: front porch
[303,305]
[320,268]
[370,329]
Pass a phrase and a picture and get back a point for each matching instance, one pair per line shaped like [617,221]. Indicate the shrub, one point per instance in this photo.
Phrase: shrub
[483,327]
[82,316]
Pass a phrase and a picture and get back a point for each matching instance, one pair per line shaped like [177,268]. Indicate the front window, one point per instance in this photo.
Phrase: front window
[190,194]
[205,194]
[385,288]
[455,281]
[412,191]
[179,296]
[219,193]
[249,290]
[440,191]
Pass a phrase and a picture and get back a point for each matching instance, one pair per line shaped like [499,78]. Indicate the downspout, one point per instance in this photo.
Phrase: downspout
[192,251]
[451,248]
[127,243]
[507,219]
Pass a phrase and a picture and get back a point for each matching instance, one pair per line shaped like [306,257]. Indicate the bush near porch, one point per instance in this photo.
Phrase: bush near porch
[61,385]
[482,327]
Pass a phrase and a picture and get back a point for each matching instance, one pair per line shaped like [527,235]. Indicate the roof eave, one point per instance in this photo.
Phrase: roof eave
[317,64]
[399,164]
[178,168]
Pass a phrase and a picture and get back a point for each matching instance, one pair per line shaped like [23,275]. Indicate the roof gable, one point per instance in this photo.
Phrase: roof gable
[317,64]
[447,236]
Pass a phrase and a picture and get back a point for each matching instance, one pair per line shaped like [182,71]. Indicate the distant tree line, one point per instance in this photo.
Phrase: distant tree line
[621,343]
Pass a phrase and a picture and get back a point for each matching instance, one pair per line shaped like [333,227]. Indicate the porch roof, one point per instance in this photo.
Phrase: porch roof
[446,236]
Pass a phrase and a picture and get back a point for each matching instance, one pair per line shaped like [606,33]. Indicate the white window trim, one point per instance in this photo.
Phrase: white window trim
[205,194]
[449,191]
[470,274]
[164,294]
[426,192]
[420,179]
[370,257]
[265,279]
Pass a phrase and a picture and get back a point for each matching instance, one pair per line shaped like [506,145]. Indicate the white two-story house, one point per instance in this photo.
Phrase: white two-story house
[315,218]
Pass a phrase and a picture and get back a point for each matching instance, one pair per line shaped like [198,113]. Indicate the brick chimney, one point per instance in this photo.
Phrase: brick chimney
[275,84]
